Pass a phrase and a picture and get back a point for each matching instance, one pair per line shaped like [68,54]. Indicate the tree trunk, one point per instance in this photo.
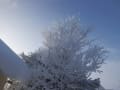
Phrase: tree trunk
[2,81]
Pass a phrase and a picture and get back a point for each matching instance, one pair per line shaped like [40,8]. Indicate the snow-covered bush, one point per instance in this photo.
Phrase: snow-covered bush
[66,62]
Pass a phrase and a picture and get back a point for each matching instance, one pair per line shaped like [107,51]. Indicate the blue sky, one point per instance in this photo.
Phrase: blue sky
[21,23]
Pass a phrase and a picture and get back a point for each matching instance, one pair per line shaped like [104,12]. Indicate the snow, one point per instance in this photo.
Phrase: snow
[11,65]
[66,62]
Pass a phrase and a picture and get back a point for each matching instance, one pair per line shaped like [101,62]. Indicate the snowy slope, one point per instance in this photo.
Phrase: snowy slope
[11,65]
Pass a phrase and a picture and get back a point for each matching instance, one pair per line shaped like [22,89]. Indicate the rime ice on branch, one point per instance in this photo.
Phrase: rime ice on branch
[67,61]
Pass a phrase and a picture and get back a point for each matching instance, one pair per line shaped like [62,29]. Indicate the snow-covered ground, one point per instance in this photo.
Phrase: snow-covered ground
[11,65]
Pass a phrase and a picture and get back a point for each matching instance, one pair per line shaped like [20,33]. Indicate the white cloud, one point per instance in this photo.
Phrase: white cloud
[110,76]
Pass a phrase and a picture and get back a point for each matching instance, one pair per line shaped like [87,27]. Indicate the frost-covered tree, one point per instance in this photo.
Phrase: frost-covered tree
[66,62]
